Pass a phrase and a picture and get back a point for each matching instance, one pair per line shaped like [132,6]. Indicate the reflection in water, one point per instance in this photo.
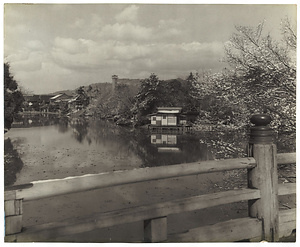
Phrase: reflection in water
[164,139]
[80,129]
[165,143]
[35,120]
[63,125]
[152,149]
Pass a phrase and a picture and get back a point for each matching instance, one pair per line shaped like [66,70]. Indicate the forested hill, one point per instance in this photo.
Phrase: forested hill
[134,100]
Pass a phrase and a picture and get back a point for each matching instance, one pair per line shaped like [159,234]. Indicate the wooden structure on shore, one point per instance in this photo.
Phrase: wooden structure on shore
[162,129]
[168,119]
[264,222]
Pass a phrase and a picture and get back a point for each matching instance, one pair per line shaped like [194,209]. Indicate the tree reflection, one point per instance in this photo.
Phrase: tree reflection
[80,129]
[35,120]
[174,148]
[138,141]
[63,125]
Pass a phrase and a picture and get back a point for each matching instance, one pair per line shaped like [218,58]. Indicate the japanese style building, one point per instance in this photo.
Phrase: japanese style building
[168,118]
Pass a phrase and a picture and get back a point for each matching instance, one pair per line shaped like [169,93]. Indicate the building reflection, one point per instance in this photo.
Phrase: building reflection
[165,143]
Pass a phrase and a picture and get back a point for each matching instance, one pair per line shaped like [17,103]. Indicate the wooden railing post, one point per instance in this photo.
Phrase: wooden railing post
[264,176]
[155,230]
[13,213]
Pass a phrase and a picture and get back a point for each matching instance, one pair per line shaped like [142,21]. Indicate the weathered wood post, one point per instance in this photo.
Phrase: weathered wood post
[13,213]
[264,177]
[155,230]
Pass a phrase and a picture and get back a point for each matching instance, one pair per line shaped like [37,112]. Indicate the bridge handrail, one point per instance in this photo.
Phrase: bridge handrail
[54,187]
[286,158]
[134,214]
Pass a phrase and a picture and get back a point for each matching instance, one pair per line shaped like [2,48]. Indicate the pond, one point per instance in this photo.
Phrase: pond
[52,147]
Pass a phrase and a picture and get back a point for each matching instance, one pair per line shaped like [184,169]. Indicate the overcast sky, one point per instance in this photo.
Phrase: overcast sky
[57,46]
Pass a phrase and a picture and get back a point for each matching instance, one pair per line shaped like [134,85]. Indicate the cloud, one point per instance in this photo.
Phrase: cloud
[49,78]
[213,47]
[30,58]
[135,58]
[129,14]
[125,32]
[87,25]
[35,45]
[169,29]
[165,24]
[172,60]
[70,45]
[33,63]
[99,54]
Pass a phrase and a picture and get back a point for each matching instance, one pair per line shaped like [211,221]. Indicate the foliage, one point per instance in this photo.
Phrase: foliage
[262,79]
[147,97]
[109,103]
[124,100]
[155,93]
[13,98]
[265,73]
[84,98]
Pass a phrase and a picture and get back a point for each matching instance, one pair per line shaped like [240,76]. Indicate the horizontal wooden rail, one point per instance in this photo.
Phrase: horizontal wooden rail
[237,230]
[286,158]
[287,222]
[226,231]
[286,189]
[74,226]
[54,187]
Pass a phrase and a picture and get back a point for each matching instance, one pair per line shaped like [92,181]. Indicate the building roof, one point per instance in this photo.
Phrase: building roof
[73,99]
[61,96]
[56,96]
[169,109]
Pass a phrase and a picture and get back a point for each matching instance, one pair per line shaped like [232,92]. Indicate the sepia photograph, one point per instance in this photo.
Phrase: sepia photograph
[155,122]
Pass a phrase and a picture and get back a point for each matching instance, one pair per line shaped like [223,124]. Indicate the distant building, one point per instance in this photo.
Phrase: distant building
[78,102]
[123,81]
[36,102]
[114,81]
[59,102]
[59,98]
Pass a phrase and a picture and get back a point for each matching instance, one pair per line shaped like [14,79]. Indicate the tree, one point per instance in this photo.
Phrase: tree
[13,98]
[265,72]
[147,97]
[84,99]
[262,78]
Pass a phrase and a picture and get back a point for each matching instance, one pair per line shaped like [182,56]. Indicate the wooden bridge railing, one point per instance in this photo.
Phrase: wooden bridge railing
[265,221]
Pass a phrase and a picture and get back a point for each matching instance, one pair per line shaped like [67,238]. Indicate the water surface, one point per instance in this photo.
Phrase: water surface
[64,147]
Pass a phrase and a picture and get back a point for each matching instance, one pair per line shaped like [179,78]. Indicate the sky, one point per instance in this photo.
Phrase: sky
[53,47]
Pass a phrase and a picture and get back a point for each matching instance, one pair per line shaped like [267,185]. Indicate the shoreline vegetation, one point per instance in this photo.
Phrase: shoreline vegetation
[12,163]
